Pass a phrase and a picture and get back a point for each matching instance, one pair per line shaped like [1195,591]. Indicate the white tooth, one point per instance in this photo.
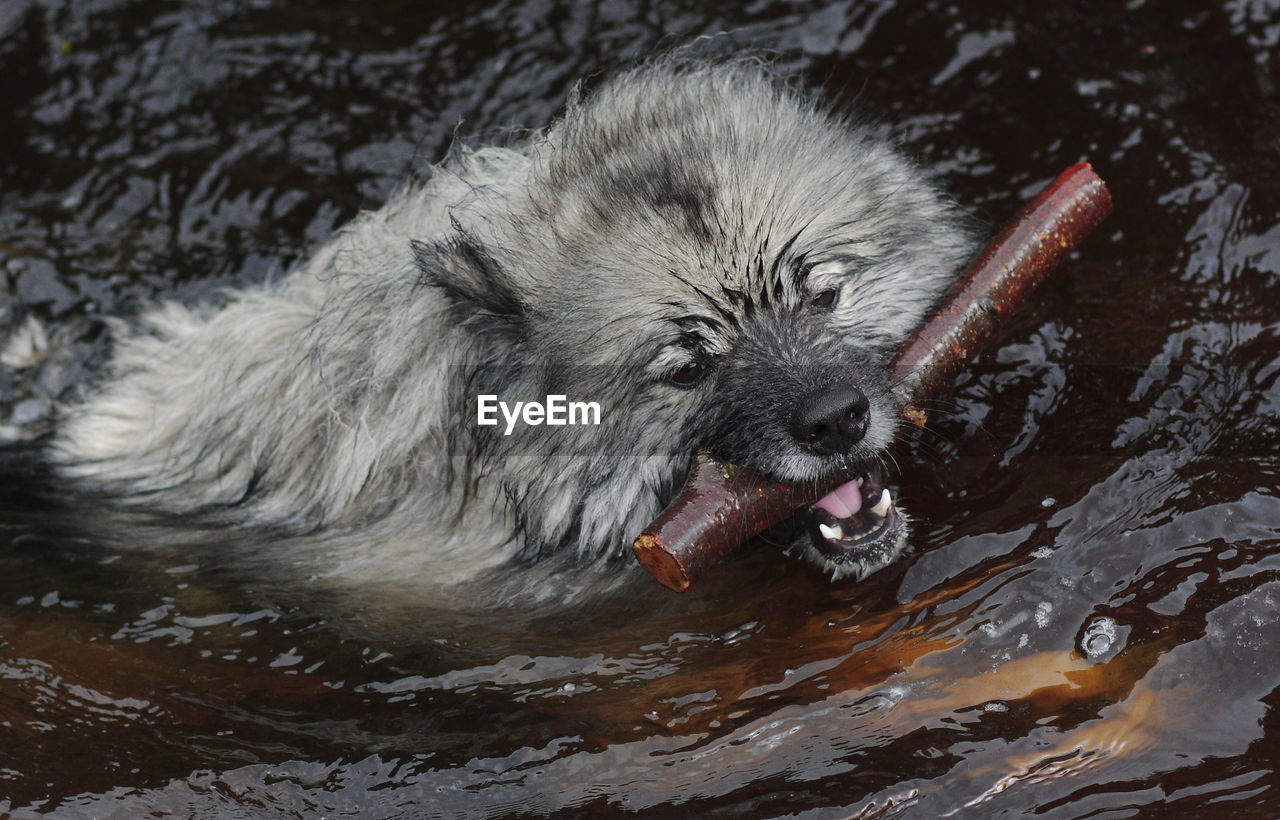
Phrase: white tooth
[831,533]
[882,507]
[859,480]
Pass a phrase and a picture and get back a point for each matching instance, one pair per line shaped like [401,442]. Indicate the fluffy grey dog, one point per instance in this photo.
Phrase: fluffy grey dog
[712,258]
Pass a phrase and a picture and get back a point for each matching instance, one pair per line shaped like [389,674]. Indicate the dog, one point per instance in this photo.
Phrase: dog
[706,254]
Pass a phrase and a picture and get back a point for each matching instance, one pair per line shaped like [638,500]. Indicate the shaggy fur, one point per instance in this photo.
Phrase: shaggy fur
[685,212]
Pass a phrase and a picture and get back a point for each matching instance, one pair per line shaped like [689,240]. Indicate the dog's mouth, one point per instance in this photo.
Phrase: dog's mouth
[855,528]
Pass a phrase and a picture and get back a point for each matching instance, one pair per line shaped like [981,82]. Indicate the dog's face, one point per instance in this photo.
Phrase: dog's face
[721,265]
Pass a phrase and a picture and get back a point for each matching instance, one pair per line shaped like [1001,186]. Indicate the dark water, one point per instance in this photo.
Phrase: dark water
[1086,626]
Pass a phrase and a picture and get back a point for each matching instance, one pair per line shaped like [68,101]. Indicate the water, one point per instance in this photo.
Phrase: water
[1086,624]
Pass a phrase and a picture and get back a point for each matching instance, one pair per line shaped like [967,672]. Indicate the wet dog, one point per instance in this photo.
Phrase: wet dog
[705,254]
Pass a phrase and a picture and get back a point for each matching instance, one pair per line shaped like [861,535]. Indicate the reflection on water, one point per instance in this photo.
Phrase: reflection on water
[1088,617]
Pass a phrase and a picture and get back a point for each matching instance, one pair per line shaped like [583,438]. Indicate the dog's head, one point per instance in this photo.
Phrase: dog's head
[718,261]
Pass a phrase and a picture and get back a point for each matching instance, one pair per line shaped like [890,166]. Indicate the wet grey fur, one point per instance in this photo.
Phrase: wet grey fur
[685,211]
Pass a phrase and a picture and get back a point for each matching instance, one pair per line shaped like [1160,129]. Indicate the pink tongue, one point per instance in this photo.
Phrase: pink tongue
[843,501]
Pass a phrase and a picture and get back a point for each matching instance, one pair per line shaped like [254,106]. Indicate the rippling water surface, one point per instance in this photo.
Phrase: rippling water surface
[1086,625]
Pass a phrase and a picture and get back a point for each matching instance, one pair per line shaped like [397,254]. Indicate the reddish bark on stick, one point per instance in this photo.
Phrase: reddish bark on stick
[1011,265]
[722,505]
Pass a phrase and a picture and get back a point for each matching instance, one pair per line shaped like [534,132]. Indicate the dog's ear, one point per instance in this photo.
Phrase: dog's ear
[479,293]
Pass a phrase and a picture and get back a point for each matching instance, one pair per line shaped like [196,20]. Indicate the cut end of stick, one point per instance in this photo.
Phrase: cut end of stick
[661,564]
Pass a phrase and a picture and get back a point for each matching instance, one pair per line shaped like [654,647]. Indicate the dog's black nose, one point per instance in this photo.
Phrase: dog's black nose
[830,420]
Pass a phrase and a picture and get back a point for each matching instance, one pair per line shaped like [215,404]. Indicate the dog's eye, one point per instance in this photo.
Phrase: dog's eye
[688,374]
[825,299]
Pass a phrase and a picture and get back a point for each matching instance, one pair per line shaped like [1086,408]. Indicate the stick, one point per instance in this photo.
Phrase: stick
[722,505]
